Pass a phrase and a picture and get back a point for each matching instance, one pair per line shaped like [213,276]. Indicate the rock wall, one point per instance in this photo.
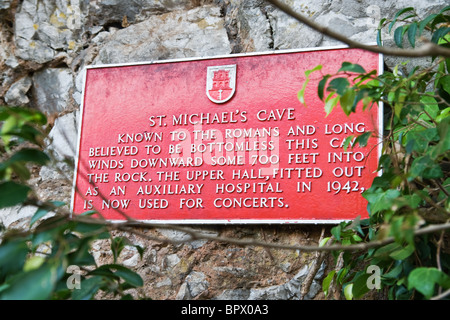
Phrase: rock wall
[45,44]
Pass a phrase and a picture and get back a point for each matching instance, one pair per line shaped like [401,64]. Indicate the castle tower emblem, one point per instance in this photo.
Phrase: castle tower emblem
[221,83]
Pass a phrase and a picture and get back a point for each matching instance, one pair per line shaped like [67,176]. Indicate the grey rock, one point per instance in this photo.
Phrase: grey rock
[62,145]
[42,28]
[12,62]
[174,235]
[286,291]
[288,33]
[171,260]
[183,293]
[64,134]
[51,89]
[285,266]
[164,283]
[104,12]
[196,283]
[17,93]
[180,34]
[315,288]
[247,22]
[10,215]
[237,294]
[78,88]
[34,50]
[101,37]
[133,260]
[5,4]
[239,272]
[359,20]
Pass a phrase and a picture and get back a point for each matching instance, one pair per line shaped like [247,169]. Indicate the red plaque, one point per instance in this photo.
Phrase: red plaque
[223,139]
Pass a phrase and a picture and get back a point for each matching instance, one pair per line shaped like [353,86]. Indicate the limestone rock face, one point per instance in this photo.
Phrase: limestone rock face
[110,12]
[46,29]
[16,95]
[52,89]
[180,34]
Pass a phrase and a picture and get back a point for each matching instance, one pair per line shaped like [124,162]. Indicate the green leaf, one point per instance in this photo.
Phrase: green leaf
[348,291]
[385,251]
[339,85]
[398,14]
[130,276]
[347,142]
[411,201]
[26,132]
[324,241]
[403,252]
[395,272]
[20,170]
[40,212]
[347,101]
[421,138]
[37,284]
[12,193]
[350,67]
[381,200]
[126,274]
[12,257]
[444,134]
[327,281]
[301,93]
[20,122]
[447,8]
[425,279]
[81,255]
[90,228]
[30,155]
[330,103]
[117,245]
[360,287]
[321,86]
[445,83]
[88,288]
[398,37]
[430,106]
[412,34]
[426,168]
[33,262]
[362,139]
[379,40]
[439,34]
[340,276]
[316,68]
[425,22]
[336,232]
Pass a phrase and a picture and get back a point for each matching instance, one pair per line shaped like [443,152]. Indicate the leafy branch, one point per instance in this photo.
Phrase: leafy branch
[412,192]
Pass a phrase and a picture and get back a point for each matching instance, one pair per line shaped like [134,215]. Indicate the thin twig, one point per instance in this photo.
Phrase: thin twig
[196,235]
[441,296]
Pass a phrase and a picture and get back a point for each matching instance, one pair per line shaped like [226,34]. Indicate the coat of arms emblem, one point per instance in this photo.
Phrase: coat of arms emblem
[221,83]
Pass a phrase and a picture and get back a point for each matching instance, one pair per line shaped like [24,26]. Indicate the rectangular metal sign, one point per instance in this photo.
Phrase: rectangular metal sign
[223,140]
